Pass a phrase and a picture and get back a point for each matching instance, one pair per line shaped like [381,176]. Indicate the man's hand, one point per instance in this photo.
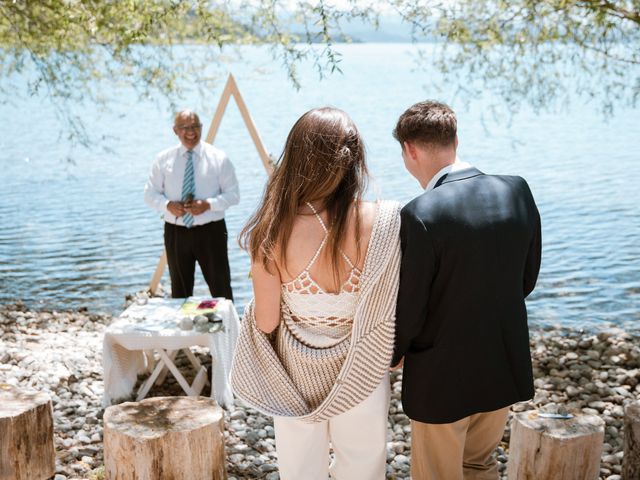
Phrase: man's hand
[176,208]
[196,207]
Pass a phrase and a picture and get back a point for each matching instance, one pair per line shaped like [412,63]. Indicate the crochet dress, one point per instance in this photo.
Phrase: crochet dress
[330,351]
[319,320]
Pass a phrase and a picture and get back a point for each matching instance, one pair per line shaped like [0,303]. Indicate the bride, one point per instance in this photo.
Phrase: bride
[316,342]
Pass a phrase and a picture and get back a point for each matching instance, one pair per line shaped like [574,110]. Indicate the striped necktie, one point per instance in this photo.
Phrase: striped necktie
[188,187]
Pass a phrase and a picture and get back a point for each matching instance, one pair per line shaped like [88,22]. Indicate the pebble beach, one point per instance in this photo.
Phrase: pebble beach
[60,353]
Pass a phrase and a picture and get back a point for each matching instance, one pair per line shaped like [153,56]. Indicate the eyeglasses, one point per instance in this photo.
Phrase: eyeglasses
[184,128]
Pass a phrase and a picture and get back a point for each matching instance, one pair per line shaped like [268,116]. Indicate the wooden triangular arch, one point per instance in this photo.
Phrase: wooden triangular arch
[231,88]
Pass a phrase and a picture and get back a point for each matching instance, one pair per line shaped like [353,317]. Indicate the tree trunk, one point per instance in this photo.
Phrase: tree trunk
[549,449]
[177,438]
[631,459]
[26,435]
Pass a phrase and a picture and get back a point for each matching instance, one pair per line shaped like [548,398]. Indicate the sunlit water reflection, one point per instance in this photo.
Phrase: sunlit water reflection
[81,235]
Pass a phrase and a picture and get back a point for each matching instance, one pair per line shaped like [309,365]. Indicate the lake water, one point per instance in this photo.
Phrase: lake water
[80,234]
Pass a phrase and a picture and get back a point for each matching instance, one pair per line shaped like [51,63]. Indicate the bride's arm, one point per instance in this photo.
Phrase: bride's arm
[266,289]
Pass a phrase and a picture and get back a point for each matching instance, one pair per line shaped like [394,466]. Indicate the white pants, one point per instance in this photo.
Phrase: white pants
[358,437]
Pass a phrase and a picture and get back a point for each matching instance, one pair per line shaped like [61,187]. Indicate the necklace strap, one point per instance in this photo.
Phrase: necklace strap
[315,212]
[326,231]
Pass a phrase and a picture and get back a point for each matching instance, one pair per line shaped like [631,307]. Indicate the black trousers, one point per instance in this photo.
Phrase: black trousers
[205,244]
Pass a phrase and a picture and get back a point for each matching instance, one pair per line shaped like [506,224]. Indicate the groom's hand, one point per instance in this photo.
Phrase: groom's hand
[399,365]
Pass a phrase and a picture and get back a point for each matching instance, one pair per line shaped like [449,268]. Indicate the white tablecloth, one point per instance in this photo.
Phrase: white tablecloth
[153,326]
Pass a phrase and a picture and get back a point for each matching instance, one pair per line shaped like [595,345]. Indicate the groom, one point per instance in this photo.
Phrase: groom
[471,254]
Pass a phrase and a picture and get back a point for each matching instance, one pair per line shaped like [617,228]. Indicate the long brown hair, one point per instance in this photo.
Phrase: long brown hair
[323,161]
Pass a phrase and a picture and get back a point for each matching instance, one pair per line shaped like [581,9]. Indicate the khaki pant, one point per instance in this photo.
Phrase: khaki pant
[358,437]
[461,450]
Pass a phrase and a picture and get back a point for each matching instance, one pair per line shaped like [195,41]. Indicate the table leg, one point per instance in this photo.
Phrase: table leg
[176,373]
[199,381]
[195,362]
[164,365]
[146,386]
[172,355]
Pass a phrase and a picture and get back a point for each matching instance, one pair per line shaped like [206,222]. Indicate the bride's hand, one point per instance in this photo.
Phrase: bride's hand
[399,365]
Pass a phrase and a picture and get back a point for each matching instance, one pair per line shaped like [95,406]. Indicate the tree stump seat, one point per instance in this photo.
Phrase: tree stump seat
[176,438]
[631,462]
[548,448]
[26,435]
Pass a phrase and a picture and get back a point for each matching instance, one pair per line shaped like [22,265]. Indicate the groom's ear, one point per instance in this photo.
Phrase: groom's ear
[410,151]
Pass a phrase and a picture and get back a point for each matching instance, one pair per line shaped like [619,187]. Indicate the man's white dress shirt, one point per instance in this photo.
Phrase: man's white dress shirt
[215,182]
[454,167]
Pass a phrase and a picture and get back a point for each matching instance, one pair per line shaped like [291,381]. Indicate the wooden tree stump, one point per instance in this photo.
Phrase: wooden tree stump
[26,435]
[177,438]
[550,449]
[631,459]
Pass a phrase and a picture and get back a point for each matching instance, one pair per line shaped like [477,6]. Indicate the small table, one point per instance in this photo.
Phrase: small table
[130,342]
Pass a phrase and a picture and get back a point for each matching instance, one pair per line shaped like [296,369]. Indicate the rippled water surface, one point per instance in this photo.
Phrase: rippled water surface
[80,234]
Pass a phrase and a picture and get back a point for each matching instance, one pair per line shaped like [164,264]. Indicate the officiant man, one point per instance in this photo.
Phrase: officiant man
[471,251]
[192,185]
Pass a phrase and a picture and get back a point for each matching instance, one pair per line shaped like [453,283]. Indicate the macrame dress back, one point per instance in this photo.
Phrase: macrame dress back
[266,367]
[320,320]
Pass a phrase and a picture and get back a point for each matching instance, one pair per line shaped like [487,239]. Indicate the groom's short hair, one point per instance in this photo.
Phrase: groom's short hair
[427,123]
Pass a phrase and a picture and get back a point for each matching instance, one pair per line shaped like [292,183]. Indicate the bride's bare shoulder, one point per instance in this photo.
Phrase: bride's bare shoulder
[368,212]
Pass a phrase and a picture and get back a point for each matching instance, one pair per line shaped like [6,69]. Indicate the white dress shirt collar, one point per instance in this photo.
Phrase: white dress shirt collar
[454,167]
[196,150]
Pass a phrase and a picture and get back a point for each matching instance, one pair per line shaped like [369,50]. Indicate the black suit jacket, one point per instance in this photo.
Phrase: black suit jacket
[471,254]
